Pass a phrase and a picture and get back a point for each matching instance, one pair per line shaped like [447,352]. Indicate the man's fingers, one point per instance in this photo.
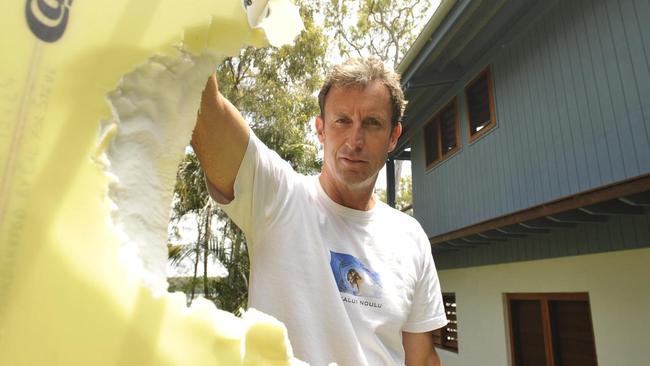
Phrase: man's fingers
[211,86]
[211,90]
[210,95]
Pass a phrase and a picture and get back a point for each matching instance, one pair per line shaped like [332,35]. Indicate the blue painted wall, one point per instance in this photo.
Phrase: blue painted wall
[573,113]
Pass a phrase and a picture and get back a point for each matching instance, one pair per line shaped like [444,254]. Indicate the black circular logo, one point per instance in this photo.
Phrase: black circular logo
[47,19]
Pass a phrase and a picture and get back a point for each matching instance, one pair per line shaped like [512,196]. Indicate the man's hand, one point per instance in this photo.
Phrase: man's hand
[212,101]
[419,349]
[220,138]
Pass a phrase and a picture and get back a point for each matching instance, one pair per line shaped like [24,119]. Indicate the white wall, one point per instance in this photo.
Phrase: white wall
[618,284]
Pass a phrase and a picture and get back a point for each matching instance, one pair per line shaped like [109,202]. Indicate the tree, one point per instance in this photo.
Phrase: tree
[190,197]
[384,28]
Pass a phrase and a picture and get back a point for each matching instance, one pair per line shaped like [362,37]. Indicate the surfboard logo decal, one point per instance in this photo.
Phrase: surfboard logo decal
[47,19]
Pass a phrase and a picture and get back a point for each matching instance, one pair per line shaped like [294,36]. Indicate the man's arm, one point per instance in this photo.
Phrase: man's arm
[419,349]
[220,138]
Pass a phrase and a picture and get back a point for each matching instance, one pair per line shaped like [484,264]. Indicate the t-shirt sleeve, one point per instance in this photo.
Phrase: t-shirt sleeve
[427,310]
[261,189]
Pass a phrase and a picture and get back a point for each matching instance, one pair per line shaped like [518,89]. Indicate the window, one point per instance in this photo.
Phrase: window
[480,104]
[441,134]
[447,336]
[551,329]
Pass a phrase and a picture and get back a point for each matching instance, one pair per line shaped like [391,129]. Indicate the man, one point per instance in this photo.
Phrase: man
[352,279]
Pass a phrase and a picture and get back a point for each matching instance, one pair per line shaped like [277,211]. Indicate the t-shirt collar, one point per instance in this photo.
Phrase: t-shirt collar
[342,210]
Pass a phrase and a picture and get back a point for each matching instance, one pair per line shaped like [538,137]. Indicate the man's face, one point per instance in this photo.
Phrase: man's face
[356,134]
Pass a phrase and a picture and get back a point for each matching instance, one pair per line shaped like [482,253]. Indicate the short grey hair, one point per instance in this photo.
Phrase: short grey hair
[359,72]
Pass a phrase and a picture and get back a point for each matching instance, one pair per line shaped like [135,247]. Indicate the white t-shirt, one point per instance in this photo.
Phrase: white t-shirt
[345,282]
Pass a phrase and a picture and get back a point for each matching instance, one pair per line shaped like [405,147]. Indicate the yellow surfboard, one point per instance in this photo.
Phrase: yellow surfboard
[97,101]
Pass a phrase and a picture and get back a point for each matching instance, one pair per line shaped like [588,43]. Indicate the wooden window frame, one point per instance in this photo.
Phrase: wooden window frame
[493,119]
[449,329]
[436,120]
[544,299]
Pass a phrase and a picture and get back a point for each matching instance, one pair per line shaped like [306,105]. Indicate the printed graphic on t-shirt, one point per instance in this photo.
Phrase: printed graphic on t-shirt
[353,277]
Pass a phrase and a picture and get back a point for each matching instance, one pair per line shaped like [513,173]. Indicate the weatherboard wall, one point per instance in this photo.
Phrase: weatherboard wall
[572,99]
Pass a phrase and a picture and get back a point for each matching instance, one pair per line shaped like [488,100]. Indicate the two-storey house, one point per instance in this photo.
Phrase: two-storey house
[528,129]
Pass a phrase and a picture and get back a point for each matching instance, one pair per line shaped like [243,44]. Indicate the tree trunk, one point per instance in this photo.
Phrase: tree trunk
[398,176]
[196,262]
[206,251]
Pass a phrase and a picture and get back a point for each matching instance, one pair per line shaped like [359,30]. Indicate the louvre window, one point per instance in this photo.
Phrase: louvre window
[432,133]
[447,336]
[480,104]
[551,329]
[441,134]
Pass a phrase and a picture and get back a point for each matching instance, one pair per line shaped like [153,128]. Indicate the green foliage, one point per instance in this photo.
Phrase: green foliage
[274,88]
[229,248]
[190,192]
[404,196]
[231,292]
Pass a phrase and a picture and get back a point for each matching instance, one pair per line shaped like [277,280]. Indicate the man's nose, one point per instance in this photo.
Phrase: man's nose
[357,136]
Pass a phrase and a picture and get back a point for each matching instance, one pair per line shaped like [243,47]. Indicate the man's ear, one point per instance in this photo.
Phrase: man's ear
[320,128]
[395,133]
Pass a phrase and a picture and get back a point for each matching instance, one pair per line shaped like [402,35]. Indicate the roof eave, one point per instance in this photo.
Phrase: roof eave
[424,36]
